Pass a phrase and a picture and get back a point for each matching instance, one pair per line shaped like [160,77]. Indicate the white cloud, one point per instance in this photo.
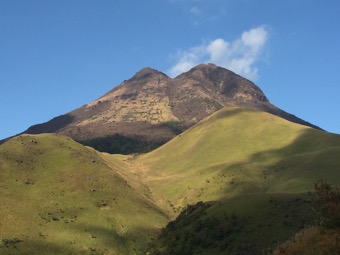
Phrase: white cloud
[238,55]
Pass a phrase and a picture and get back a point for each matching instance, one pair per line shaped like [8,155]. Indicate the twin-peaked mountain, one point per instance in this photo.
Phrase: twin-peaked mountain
[248,173]
[151,108]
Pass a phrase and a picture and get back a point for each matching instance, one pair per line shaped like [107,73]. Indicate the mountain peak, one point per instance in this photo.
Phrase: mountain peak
[201,68]
[147,72]
[210,70]
[205,66]
[233,88]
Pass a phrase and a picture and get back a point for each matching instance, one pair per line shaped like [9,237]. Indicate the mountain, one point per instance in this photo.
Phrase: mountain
[149,109]
[238,182]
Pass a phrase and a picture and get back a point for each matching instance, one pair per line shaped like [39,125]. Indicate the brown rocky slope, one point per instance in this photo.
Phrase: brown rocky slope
[151,108]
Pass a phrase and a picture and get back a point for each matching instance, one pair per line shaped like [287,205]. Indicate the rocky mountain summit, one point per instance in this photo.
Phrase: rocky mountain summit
[151,108]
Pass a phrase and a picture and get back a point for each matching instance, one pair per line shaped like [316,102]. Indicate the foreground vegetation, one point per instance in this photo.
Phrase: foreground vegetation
[251,224]
[255,224]
[247,176]
[324,237]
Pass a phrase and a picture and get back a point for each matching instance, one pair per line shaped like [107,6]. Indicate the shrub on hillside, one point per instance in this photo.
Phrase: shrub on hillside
[323,239]
[194,232]
[312,241]
[328,204]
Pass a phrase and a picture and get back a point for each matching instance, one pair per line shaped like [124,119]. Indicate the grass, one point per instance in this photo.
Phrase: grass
[236,151]
[255,167]
[61,197]
[74,203]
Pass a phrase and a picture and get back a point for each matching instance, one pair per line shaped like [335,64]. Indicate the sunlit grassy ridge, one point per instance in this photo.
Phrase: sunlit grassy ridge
[239,151]
[251,170]
[59,197]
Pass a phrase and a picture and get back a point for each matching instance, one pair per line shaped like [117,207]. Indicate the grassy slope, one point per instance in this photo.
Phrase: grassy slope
[59,197]
[252,165]
[238,151]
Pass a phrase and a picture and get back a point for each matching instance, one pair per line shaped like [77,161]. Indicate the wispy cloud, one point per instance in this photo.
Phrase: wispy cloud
[238,55]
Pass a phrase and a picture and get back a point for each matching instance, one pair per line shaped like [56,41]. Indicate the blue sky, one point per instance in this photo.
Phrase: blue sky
[56,56]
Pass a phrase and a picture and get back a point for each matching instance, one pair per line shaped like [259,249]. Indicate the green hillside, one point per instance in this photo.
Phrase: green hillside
[240,151]
[251,175]
[238,182]
[59,197]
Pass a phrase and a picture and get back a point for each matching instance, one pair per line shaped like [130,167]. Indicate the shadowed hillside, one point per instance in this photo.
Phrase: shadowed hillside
[249,224]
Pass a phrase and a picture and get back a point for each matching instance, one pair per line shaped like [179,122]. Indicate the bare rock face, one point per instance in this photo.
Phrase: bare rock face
[151,108]
[207,88]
